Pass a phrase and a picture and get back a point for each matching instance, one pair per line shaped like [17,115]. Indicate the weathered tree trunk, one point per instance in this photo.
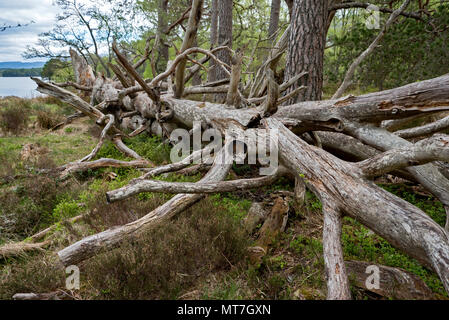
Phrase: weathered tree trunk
[274,20]
[224,36]
[337,277]
[306,47]
[289,6]
[162,14]
[393,282]
[196,79]
[213,38]
[189,40]
[233,94]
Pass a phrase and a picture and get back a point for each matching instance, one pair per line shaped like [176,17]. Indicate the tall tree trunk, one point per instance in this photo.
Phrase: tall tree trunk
[290,7]
[196,79]
[213,38]
[224,35]
[306,47]
[274,19]
[187,43]
[161,27]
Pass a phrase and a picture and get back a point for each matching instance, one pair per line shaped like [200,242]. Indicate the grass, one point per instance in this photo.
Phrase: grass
[63,149]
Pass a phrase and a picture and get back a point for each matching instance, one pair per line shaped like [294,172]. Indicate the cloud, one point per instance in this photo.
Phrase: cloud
[13,41]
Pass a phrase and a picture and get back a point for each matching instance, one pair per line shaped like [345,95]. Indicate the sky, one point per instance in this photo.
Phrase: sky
[14,41]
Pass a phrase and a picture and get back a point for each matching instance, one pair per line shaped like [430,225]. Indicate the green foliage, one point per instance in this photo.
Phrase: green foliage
[228,290]
[66,209]
[150,148]
[277,262]
[408,52]
[237,208]
[58,70]
[306,246]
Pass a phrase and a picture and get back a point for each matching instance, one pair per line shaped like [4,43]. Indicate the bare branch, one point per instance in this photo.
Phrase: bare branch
[16,249]
[233,95]
[57,295]
[337,277]
[271,103]
[192,158]
[124,80]
[146,55]
[182,56]
[349,5]
[125,63]
[100,163]
[424,151]
[140,186]
[117,140]
[189,39]
[88,247]
[102,136]
[424,130]
[428,174]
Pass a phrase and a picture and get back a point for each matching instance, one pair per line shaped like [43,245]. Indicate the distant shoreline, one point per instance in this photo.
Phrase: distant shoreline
[10,73]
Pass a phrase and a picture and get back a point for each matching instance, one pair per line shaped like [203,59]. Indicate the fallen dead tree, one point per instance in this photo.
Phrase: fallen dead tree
[343,187]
